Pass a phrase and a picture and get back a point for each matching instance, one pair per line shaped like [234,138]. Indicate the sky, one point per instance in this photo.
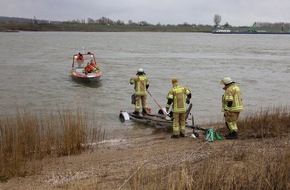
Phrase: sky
[233,12]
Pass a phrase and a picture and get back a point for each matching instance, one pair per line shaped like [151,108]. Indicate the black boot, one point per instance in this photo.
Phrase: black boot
[144,112]
[233,135]
[229,134]
[136,113]
[174,136]
[182,135]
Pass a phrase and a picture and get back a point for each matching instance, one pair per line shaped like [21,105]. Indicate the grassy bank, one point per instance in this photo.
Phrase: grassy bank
[259,159]
[238,167]
[27,138]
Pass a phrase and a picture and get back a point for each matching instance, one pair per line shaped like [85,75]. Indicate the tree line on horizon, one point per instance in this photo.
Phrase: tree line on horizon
[100,21]
[14,23]
[108,21]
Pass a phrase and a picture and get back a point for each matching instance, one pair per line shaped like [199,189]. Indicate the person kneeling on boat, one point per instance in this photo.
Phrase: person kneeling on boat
[141,84]
[178,96]
[89,68]
[94,66]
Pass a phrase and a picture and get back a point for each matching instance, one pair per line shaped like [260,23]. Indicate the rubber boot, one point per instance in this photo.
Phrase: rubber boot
[144,111]
[174,136]
[182,135]
[233,135]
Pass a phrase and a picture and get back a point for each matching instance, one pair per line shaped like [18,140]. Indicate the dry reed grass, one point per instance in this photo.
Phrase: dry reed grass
[271,122]
[31,137]
[237,167]
[263,165]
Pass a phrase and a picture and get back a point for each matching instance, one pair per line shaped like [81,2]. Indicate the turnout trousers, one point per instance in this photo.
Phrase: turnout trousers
[178,123]
[231,119]
[140,100]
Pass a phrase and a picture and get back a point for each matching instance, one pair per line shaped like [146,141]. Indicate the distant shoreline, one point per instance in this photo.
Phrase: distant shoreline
[81,27]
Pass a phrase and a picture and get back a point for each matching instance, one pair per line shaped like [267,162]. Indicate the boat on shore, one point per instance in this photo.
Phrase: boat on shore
[161,119]
[79,68]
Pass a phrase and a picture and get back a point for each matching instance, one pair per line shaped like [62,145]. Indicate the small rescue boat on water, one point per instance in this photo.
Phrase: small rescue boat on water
[84,68]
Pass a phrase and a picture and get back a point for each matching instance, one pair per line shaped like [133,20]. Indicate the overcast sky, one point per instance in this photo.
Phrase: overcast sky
[235,12]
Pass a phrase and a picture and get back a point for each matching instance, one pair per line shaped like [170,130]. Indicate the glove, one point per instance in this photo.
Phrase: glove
[167,110]
[226,108]
[229,104]
[187,100]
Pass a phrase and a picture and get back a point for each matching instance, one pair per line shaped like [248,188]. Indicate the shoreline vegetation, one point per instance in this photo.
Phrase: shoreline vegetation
[259,159]
[88,27]
[103,24]
[82,27]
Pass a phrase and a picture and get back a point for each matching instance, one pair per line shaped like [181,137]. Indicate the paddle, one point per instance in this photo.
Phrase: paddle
[164,112]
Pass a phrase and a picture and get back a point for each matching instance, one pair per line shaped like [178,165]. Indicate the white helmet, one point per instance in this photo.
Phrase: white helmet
[140,70]
[226,80]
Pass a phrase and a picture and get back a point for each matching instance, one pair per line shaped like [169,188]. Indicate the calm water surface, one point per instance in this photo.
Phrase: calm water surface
[34,71]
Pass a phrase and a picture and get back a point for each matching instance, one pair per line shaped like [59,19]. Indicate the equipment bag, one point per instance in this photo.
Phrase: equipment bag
[218,136]
[211,134]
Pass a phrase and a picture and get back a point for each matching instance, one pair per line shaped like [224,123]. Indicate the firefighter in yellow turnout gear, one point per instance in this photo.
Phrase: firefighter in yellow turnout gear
[141,84]
[178,95]
[231,106]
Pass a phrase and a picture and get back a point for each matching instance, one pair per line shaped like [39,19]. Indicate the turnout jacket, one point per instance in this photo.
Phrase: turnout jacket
[232,98]
[178,95]
[141,84]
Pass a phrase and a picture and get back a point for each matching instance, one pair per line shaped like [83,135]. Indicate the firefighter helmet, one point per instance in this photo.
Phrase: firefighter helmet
[140,71]
[226,80]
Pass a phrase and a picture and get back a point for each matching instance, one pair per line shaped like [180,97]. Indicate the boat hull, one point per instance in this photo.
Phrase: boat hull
[84,68]
[90,78]
[158,119]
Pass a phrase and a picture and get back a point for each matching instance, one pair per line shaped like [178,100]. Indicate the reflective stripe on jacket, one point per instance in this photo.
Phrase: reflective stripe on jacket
[140,84]
[178,94]
[232,94]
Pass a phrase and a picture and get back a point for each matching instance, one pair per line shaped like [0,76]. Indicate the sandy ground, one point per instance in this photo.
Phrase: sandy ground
[111,163]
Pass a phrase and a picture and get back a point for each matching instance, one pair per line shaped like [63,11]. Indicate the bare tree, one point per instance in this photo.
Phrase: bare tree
[90,21]
[120,22]
[217,20]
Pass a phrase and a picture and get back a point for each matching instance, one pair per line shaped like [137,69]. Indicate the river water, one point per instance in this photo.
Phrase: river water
[34,71]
